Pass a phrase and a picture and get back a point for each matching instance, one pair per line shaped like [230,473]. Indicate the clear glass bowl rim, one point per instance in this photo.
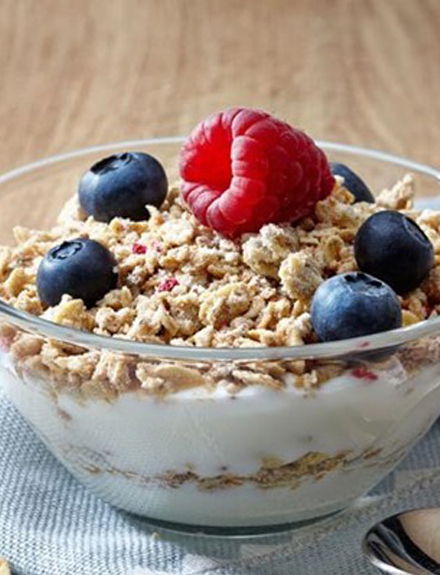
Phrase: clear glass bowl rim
[326,350]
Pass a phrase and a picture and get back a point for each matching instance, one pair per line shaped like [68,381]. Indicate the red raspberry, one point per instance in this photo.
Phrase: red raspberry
[242,169]
[364,373]
[139,249]
[168,284]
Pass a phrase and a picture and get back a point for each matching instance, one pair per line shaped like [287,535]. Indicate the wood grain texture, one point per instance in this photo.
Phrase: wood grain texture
[81,72]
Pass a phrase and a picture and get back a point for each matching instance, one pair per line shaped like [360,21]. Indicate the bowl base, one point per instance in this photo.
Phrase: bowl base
[246,532]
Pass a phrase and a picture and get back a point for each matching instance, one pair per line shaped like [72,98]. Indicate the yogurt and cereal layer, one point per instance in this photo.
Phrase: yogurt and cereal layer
[212,263]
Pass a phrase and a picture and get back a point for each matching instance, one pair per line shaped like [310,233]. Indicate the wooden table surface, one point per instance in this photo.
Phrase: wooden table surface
[79,72]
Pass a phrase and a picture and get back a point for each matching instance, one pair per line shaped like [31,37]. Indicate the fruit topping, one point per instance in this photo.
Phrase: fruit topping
[364,373]
[81,267]
[122,186]
[352,305]
[139,249]
[352,182]
[168,284]
[243,168]
[393,248]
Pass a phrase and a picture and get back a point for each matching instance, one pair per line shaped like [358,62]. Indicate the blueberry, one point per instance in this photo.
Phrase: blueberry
[354,304]
[121,186]
[393,248]
[82,268]
[353,183]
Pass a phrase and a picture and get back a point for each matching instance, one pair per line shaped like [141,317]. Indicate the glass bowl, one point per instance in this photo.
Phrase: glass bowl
[269,457]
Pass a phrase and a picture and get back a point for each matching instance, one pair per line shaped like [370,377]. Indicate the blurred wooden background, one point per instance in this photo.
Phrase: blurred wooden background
[82,72]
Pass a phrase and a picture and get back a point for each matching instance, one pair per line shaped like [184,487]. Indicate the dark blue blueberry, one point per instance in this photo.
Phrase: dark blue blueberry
[82,268]
[352,305]
[353,183]
[121,186]
[393,248]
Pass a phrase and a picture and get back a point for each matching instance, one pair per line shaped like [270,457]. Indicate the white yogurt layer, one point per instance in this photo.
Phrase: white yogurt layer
[119,448]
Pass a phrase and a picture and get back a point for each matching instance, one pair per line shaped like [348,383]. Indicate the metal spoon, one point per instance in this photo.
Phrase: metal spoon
[407,543]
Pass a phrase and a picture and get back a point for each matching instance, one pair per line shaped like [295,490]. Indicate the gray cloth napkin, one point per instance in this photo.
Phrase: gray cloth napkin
[51,525]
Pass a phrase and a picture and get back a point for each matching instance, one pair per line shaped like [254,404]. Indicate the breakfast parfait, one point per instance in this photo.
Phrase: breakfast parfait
[262,245]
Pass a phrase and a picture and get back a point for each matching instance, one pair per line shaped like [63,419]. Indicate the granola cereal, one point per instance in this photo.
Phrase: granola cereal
[181,283]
